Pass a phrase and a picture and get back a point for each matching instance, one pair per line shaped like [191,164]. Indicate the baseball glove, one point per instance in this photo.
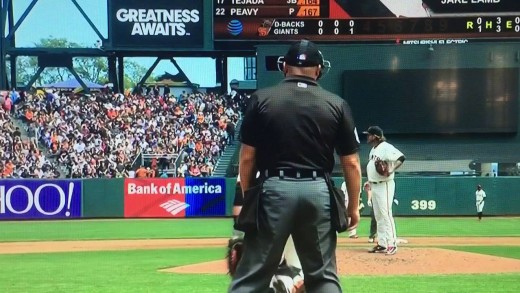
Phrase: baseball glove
[234,254]
[382,168]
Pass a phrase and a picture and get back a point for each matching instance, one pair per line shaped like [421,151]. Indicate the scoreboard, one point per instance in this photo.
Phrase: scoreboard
[365,20]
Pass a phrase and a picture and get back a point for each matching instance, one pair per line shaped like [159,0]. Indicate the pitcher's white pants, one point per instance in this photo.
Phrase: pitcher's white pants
[382,199]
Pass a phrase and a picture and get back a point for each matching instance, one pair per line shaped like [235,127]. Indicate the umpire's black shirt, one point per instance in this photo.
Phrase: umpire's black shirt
[297,125]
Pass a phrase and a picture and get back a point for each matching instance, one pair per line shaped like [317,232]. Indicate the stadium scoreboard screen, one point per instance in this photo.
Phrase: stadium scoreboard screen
[365,20]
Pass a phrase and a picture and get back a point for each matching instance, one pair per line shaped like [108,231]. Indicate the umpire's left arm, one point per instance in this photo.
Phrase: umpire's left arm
[247,163]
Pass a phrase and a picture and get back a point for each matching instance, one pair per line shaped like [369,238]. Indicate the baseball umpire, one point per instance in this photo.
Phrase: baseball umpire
[289,134]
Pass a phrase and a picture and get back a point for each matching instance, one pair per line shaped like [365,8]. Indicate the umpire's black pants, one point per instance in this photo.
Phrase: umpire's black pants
[300,207]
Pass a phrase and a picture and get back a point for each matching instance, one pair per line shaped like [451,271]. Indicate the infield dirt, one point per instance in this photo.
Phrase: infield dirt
[420,256]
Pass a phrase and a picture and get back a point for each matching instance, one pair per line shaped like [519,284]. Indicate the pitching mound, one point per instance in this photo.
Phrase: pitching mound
[353,258]
[422,261]
[407,261]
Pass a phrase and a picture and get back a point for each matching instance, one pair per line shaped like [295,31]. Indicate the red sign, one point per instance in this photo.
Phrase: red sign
[157,198]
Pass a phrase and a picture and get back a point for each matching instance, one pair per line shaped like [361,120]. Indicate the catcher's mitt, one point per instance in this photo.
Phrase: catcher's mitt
[234,254]
[382,167]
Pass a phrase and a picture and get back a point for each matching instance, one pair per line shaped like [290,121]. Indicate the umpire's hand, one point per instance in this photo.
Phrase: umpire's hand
[353,219]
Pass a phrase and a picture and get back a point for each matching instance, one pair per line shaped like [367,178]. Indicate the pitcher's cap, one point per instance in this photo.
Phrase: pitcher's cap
[375,130]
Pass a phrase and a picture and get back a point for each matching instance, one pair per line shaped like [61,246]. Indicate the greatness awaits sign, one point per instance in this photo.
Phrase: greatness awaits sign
[155,24]
[158,22]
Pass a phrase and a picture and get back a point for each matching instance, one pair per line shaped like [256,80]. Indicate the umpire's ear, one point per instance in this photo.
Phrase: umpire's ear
[318,72]
[285,69]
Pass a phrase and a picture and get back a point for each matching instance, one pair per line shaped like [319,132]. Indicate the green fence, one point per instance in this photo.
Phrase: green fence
[103,198]
[456,196]
[418,196]
[453,196]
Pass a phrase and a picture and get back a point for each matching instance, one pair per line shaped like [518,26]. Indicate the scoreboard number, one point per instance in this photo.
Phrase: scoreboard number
[220,11]
[424,205]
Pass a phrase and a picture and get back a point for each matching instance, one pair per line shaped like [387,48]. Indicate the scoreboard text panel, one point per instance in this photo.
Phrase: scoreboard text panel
[358,20]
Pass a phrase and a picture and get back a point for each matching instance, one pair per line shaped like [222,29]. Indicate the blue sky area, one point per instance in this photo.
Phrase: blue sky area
[61,19]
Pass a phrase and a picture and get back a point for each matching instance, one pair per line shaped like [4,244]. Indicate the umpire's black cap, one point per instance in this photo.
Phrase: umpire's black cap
[375,131]
[303,53]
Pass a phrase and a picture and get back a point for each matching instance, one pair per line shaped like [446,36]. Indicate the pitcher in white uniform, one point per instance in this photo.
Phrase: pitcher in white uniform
[480,196]
[383,188]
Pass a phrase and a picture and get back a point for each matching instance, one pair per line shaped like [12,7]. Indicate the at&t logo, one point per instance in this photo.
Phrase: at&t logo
[235,27]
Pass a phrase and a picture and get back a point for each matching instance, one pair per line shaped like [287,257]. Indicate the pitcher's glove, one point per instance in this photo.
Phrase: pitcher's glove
[234,254]
[382,168]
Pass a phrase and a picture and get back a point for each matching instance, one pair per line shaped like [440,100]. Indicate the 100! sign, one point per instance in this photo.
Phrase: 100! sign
[35,199]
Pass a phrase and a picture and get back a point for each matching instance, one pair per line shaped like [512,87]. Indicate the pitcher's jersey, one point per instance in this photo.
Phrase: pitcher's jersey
[480,195]
[384,152]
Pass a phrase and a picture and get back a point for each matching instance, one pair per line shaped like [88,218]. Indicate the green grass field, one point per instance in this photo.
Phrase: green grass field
[136,270]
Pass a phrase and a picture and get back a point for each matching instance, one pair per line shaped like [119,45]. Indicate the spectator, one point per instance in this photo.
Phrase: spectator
[131,173]
[194,170]
[17,132]
[150,173]
[8,104]
[163,162]
[204,170]
[15,97]
[141,172]
[164,174]
[113,129]
[182,170]
[18,156]
[8,169]
[230,129]
[29,115]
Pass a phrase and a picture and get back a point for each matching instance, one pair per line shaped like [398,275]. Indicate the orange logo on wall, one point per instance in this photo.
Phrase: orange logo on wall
[263,31]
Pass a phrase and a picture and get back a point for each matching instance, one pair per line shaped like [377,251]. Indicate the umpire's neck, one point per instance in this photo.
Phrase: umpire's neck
[311,72]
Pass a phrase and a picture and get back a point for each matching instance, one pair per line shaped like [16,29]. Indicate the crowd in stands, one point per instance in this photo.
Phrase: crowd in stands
[19,157]
[102,134]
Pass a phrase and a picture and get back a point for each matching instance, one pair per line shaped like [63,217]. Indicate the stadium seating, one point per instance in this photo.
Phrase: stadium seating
[101,135]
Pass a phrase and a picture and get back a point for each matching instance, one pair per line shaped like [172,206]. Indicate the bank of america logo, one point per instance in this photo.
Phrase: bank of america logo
[174,206]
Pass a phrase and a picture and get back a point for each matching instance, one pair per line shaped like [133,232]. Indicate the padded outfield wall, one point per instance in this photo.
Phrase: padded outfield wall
[213,197]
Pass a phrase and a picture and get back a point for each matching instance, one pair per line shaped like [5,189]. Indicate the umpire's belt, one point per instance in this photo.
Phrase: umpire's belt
[292,173]
[377,182]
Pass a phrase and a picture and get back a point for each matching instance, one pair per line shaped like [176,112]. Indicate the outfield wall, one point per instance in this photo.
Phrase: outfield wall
[213,197]
[453,196]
